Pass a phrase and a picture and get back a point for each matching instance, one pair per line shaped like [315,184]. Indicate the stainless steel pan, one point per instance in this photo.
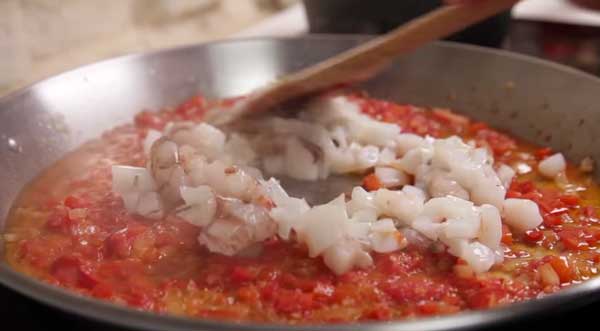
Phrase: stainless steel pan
[545,103]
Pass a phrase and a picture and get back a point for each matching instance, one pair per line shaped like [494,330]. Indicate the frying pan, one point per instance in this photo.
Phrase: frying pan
[539,101]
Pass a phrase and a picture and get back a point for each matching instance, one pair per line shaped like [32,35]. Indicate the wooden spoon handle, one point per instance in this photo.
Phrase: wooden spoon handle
[365,60]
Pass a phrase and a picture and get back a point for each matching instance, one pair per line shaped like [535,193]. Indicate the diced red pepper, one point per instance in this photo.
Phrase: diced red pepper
[478,126]
[241,274]
[194,107]
[562,268]
[59,221]
[74,202]
[118,244]
[574,239]
[372,183]
[534,235]
[543,153]
[552,220]
[570,200]
[149,120]
[507,237]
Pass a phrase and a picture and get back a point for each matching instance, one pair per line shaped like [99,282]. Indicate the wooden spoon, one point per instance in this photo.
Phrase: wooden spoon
[363,61]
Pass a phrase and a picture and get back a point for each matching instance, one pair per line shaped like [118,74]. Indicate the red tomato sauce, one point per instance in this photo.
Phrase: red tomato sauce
[71,230]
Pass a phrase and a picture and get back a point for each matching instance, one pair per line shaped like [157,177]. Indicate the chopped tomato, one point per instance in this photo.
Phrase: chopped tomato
[71,271]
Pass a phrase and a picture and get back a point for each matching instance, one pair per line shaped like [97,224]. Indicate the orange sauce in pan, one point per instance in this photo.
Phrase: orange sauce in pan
[70,230]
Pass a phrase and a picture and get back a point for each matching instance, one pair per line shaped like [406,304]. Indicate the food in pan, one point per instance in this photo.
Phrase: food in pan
[172,215]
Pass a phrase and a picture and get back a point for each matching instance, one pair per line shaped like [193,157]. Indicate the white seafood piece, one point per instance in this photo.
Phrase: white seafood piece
[414,237]
[506,175]
[322,226]
[408,141]
[478,256]
[345,255]
[487,190]
[239,151]
[149,205]
[287,210]
[415,158]
[231,181]
[386,157]
[553,165]
[151,137]
[240,226]
[390,177]
[200,205]
[361,206]
[208,140]
[450,216]
[300,163]
[340,111]
[521,214]
[360,200]
[137,189]
[402,205]
[490,231]
[165,167]
[359,231]
[287,215]
[353,159]
[440,184]
[126,179]
[385,238]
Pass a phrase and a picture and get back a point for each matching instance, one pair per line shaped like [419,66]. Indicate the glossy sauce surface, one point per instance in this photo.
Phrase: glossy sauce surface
[71,230]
